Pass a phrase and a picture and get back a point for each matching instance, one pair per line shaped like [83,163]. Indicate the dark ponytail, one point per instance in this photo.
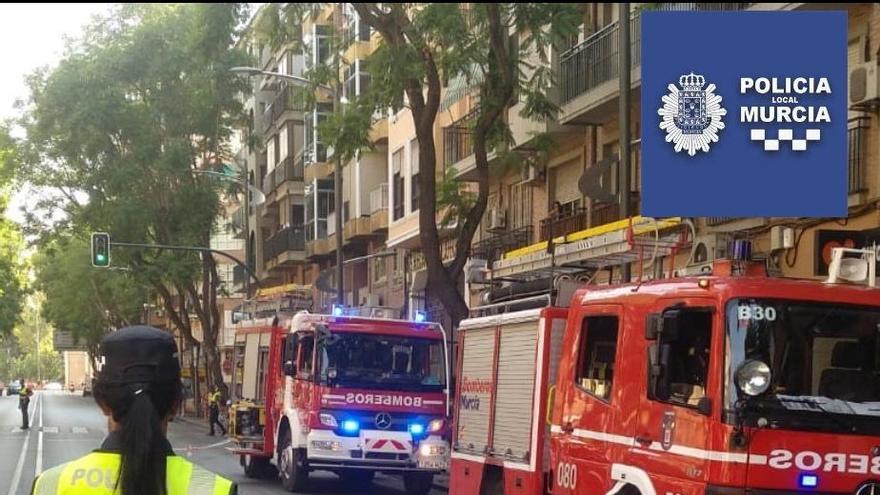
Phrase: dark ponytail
[139,409]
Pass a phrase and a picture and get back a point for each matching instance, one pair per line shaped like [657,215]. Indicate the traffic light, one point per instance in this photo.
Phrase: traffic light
[100,249]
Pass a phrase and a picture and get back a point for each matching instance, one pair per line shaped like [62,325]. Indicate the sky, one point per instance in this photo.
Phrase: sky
[32,35]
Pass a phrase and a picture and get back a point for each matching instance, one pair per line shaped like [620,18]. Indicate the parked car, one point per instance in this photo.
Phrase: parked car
[54,387]
[13,388]
[87,388]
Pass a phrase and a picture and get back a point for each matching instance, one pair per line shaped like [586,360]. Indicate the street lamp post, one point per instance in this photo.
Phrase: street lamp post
[337,181]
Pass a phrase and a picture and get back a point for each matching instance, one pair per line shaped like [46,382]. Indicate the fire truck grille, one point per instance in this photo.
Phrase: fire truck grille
[386,457]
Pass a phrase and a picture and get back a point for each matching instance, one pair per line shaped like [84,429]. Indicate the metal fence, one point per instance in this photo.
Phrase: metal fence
[286,239]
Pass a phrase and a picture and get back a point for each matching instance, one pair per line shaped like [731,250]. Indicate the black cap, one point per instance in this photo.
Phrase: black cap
[139,354]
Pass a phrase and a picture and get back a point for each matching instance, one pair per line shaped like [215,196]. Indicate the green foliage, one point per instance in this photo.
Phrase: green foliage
[454,198]
[142,99]
[82,299]
[12,260]
[31,352]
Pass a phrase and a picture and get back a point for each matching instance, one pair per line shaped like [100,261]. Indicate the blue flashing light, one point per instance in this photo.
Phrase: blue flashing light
[420,317]
[337,310]
[350,426]
[417,429]
[808,481]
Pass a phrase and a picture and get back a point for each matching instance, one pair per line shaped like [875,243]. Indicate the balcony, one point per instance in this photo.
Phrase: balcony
[357,229]
[379,208]
[589,71]
[857,135]
[495,245]
[565,223]
[287,245]
[458,144]
[286,101]
[289,170]
[604,213]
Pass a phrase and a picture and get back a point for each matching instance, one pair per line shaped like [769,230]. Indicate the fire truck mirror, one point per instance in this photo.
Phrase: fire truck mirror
[669,328]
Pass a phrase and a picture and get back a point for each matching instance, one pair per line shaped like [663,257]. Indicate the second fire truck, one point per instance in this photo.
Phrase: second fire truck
[348,394]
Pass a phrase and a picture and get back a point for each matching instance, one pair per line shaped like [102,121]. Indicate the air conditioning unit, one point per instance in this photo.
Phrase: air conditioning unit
[476,271]
[497,219]
[863,83]
[710,247]
[530,173]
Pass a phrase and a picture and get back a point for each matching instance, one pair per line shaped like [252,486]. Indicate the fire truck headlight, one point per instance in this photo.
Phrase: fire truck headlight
[328,420]
[428,450]
[350,426]
[416,429]
[753,377]
[436,425]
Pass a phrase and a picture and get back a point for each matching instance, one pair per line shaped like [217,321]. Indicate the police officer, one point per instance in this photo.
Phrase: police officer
[214,406]
[138,388]
[24,402]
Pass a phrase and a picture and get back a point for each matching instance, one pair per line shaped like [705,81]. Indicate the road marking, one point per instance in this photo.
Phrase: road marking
[16,477]
[79,430]
[39,464]
[49,429]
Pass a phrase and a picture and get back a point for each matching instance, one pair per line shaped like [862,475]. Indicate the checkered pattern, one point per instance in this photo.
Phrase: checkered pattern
[786,135]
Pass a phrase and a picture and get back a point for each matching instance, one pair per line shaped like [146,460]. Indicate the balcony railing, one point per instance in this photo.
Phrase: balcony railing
[379,198]
[492,247]
[286,239]
[715,221]
[290,169]
[565,223]
[458,140]
[595,60]
[856,140]
[610,212]
[288,100]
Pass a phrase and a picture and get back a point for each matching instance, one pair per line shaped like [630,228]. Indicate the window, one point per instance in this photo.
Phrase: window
[284,143]
[397,183]
[414,170]
[270,154]
[687,369]
[595,371]
[305,356]
[297,215]
[322,43]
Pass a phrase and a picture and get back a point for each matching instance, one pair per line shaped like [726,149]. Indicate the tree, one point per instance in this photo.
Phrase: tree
[502,50]
[137,104]
[12,262]
[36,355]
[82,299]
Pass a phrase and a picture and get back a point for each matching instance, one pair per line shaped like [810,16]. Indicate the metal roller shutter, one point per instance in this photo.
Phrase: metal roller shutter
[515,387]
[474,401]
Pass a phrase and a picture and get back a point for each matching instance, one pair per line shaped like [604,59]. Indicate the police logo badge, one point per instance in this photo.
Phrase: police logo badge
[691,115]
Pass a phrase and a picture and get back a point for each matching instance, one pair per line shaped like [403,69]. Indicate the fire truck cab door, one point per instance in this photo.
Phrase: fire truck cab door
[673,432]
[586,426]
[305,370]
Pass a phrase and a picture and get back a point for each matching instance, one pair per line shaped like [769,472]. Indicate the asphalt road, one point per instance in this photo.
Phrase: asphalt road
[66,426]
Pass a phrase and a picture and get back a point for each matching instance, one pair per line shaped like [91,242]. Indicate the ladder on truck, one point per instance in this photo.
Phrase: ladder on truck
[636,239]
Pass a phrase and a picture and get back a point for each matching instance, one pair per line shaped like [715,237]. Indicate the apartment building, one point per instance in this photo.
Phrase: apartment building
[540,200]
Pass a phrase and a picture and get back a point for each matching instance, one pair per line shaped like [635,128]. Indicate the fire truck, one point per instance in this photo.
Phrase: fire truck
[349,393]
[728,382]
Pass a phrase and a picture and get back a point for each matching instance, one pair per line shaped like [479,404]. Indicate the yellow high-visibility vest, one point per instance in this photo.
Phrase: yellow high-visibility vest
[96,474]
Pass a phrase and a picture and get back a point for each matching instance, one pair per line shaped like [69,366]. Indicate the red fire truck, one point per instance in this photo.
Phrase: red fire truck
[348,394]
[728,383]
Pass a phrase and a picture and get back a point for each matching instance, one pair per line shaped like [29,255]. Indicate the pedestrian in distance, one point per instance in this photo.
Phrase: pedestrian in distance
[24,402]
[214,411]
[138,388]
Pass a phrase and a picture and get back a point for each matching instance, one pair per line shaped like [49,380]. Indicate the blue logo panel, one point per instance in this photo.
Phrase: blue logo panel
[744,114]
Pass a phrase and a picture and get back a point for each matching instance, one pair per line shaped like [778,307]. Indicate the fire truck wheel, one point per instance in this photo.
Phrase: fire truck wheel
[418,483]
[291,466]
[255,467]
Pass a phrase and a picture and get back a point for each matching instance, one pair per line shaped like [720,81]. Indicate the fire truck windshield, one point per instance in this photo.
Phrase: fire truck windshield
[382,362]
[824,362]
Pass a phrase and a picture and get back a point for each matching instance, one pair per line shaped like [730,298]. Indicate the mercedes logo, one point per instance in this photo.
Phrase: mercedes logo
[868,488]
[383,421]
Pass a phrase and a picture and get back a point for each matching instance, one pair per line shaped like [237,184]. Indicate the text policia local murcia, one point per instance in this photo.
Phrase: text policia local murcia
[785,91]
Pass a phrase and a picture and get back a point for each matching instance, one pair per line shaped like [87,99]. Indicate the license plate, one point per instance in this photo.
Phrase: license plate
[439,465]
